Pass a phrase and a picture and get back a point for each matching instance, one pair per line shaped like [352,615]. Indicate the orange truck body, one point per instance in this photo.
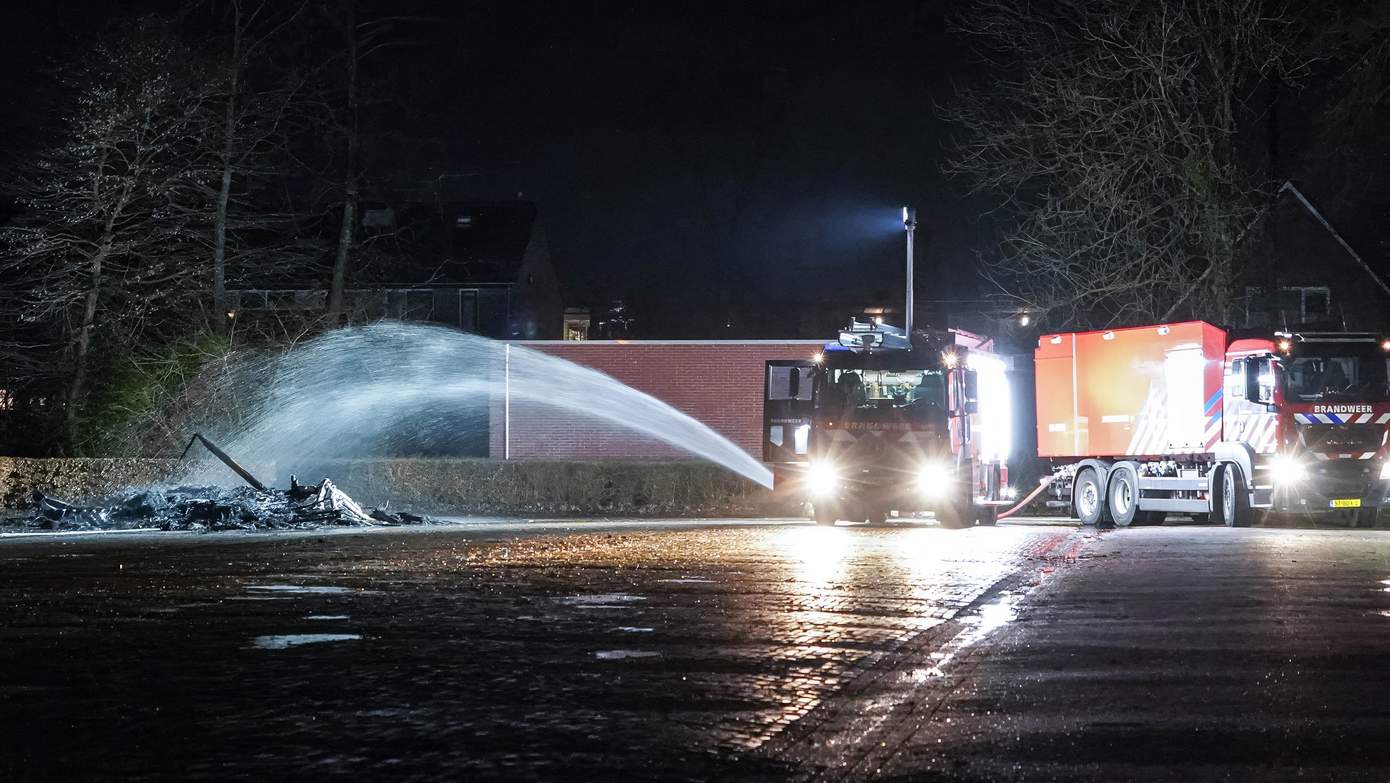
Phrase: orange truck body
[1146,391]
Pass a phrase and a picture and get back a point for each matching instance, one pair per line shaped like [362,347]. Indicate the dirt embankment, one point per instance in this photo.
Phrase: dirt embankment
[456,486]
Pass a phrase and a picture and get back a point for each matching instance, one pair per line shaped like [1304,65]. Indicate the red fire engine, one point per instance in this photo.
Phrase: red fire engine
[1144,421]
[880,423]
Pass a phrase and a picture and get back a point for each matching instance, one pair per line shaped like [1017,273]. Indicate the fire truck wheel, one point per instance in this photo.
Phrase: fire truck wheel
[987,516]
[1123,497]
[824,513]
[954,515]
[876,515]
[1150,517]
[1233,499]
[1365,518]
[1089,498]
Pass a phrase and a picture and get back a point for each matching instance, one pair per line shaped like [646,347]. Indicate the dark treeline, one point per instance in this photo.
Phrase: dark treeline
[1136,152]
[172,155]
[724,174]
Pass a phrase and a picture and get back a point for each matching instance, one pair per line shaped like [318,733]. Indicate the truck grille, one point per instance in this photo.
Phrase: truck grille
[1341,478]
[1342,438]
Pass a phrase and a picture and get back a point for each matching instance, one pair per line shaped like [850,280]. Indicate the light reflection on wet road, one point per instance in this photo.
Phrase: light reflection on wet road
[695,652]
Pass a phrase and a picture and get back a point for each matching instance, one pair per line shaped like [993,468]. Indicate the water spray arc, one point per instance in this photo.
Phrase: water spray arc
[365,391]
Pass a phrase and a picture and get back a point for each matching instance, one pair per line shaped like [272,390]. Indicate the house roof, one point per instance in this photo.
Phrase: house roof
[435,243]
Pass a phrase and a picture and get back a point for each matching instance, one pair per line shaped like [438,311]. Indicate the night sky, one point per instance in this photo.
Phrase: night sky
[693,159]
[748,153]
[734,155]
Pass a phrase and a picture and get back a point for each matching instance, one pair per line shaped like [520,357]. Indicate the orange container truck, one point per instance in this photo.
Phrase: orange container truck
[1183,418]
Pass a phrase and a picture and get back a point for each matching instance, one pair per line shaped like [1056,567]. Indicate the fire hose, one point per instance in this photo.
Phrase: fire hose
[1041,486]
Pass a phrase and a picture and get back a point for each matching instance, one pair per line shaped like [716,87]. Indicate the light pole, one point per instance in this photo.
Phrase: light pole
[910,224]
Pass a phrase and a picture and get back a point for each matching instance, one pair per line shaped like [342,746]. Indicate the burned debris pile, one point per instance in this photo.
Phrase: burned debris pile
[253,507]
[215,508]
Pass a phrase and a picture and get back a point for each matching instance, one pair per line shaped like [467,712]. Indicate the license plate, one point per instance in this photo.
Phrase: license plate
[1349,503]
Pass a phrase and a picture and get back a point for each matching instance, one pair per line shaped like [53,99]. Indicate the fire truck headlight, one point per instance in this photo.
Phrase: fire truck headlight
[934,479]
[1287,470]
[822,479]
[1385,470]
[1008,493]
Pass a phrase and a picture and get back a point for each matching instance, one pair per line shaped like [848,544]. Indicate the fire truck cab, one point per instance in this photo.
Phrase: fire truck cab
[880,423]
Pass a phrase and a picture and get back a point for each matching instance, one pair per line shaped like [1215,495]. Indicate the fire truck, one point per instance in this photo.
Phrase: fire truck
[1188,418]
[879,423]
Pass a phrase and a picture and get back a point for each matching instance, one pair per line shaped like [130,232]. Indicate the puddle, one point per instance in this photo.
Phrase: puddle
[989,618]
[633,629]
[295,640]
[687,580]
[618,655]
[602,601]
[326,617]
[606,600]
[306,589]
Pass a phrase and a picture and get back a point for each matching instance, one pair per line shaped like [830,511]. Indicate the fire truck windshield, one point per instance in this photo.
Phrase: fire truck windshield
[1364,378]
[915,390]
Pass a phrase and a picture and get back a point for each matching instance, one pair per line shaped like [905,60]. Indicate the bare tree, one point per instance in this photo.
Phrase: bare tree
[363,36]
[352,57]
[1111,139]
[108,236]
[248,123]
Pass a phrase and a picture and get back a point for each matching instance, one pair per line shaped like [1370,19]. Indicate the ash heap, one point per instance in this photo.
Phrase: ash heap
[253,507]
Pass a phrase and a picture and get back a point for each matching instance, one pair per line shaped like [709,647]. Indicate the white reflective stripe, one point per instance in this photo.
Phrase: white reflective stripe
[1384,418]
[1265,442]
[1363,418]
[1367,455]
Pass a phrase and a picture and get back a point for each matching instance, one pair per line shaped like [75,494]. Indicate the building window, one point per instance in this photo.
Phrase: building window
[279,300]
[576,324]
[419,305]
[1297,304]
[1315,303]
[376,221]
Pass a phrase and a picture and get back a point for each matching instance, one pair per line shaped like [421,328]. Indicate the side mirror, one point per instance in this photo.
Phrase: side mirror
[971,387]
[1259,381]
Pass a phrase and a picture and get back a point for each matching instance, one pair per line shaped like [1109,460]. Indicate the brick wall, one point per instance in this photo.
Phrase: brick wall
[719,383]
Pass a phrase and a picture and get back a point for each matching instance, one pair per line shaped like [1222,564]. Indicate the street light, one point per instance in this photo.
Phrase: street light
[910,225]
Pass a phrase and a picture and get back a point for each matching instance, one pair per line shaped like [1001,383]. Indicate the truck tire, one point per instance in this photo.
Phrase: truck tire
[1234,501]
[876,515]
[1150,518]
[1122,499]
[1088,498]
[987,516]
[824,513]
[1365,518]
[955,514]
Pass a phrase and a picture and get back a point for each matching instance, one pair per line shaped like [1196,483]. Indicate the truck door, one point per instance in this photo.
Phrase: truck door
[789,402]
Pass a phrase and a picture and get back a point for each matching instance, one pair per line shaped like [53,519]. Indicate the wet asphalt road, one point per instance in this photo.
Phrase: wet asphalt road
[695,651]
